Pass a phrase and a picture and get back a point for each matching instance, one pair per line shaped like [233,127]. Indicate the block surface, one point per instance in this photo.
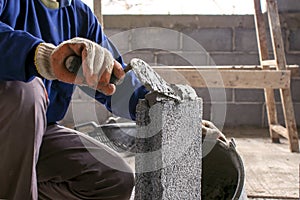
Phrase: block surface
[169,149]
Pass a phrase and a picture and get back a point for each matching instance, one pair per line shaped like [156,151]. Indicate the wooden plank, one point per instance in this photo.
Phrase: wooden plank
[264,55]
[226,78]
[295,71]
[268,63]
[280,130]
[98,11]
[279,54]
[289,116]
[275,30]
[260,27]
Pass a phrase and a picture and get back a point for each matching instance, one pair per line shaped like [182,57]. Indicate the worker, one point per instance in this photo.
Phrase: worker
[41,159]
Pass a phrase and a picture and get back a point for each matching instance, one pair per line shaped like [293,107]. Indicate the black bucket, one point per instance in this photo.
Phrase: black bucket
[223,174]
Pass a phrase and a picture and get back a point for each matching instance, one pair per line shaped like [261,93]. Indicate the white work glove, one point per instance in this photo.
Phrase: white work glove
[97,64]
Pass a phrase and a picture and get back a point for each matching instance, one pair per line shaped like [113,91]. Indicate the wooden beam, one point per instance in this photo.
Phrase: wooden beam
[268,63]
[295,71]
[226,78]
[98,11]
[280,130]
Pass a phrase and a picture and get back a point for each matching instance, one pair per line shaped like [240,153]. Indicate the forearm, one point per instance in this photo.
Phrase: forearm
[17,50]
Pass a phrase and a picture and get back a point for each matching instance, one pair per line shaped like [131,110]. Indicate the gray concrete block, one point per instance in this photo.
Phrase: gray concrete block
[245,40]
[293,59]
[215,94]
[234,58]
[288,5]
[155,38]
[295,89]
[206,111]
[239,114]
[182,58]
[146,55]
[211,39]
[249,95]
[294,40]
[169,149]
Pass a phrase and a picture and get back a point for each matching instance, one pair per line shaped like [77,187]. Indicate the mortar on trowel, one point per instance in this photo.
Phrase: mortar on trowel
[222,168]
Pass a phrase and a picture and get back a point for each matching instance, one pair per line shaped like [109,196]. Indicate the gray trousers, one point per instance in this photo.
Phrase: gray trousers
[54,162]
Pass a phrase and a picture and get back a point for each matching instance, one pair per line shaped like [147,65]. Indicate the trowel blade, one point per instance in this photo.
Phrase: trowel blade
[150,79]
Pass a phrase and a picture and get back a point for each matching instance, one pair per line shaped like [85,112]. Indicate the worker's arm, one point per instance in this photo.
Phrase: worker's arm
[16,53]
[123,102]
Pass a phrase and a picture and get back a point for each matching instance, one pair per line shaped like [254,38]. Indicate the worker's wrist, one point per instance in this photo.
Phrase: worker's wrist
[42,60]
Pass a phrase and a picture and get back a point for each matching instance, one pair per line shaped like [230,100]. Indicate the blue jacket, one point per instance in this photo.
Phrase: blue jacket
[26,23]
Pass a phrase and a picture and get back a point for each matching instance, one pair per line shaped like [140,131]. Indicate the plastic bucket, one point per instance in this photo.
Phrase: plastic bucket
[223,174]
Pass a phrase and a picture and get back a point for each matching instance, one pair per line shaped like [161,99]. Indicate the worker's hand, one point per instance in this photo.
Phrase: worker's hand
[97,64]
[209,129]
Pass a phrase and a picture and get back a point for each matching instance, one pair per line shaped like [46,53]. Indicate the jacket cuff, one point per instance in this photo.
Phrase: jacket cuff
[42,60]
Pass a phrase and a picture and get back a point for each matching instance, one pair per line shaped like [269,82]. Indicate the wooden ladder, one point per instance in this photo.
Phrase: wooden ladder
[279,61]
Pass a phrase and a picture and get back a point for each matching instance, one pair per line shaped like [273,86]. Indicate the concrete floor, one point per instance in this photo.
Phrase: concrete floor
[272,172]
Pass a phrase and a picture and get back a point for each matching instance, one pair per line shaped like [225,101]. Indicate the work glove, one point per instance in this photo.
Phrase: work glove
[209,129]
[97,64]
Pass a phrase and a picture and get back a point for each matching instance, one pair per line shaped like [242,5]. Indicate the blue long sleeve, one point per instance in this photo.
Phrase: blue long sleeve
[17,51]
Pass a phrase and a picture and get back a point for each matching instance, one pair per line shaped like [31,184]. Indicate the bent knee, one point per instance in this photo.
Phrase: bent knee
[23,93]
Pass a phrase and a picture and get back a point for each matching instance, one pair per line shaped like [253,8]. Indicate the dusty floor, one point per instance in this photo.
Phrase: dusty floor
[272,172]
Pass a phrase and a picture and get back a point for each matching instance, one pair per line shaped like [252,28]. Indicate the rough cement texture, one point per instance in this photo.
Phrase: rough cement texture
[169,149]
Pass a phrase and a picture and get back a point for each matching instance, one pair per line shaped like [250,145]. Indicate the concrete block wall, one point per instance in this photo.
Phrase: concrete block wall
[226,40]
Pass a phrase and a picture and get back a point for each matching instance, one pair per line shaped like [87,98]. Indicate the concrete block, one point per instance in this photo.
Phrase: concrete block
[293,59]
[211,39]
[206,111]
[228,58]
[249,95]
[239,114]
[169,149]
[294,40]
[147,55]
[215,94]
[295,89]
[182,58]
[245,40]
[288,5]
[155,38]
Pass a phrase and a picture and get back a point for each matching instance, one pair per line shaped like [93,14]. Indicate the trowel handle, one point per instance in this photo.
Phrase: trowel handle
[73,64]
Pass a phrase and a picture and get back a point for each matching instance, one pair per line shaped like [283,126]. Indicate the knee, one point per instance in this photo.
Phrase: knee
[23,94]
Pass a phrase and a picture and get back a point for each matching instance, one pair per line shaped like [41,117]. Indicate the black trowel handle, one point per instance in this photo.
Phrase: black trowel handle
[73,64]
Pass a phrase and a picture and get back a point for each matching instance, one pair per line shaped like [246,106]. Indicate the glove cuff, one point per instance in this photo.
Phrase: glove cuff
[42,60]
